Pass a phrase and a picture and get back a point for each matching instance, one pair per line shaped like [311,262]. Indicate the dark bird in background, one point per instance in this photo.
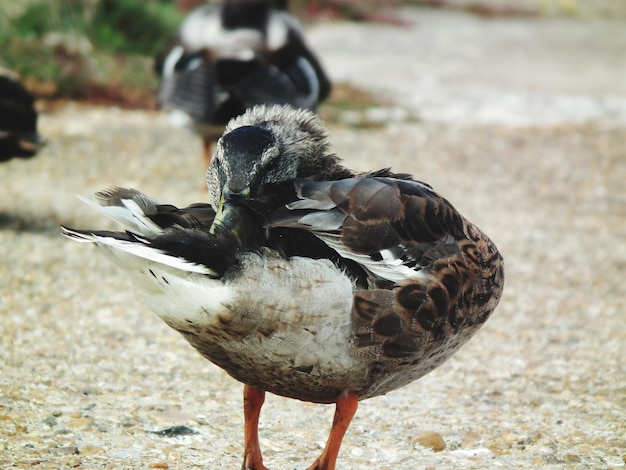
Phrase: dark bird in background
[231,56]
[18,121]
[304,278]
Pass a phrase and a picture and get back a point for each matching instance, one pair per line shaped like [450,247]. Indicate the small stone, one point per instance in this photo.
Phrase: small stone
[172,453]
[159,465]
[68,450]
[92,450]
[356,451]
[174,431]
[614,461]
[128,453]
[471,453]
[50,421]
[430,439]
[80,422]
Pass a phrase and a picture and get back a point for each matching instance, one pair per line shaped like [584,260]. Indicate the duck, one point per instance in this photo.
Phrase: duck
[233,55]
[302,278]
[18,121]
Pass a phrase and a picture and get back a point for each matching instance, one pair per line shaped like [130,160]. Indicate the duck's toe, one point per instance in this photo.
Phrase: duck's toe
[250,464]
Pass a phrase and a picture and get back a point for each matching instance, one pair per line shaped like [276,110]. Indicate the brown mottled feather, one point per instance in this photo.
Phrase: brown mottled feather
[411,326]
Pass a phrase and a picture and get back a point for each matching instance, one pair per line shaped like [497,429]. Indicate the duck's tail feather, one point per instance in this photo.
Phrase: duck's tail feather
[163,234]
[129,243]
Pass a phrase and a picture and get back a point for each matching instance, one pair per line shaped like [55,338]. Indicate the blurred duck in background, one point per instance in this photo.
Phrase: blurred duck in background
[18,121]
[231,56]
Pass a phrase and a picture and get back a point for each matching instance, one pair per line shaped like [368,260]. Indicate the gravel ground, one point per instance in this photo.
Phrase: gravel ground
[88,373]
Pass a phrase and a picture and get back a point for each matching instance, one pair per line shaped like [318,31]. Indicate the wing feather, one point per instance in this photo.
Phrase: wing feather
[165,234]
[384,224]
[136,247]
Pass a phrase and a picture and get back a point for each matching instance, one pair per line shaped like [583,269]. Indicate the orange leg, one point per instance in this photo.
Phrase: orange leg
[253,399]
[344,412]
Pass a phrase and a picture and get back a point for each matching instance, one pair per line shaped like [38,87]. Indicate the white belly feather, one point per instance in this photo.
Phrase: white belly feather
[289,313]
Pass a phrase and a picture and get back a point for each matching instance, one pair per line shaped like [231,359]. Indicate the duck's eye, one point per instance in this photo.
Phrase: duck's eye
[269,164]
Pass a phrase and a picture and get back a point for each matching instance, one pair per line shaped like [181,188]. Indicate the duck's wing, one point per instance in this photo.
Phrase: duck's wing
[432,274]
[188,84]
[145,215]
[161,233]
[386,225]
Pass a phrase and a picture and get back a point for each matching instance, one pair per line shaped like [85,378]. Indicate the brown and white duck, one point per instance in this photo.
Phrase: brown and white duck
[18,121]
[303,278]
[228,57]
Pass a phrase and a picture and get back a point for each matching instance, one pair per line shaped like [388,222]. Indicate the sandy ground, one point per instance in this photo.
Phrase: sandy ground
[88,373]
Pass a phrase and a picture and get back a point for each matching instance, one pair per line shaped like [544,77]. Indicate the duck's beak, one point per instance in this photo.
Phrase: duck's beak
[227,216]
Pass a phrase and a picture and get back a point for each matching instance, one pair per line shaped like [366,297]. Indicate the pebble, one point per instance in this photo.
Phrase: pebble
[430,439]
[67,450]
[79,422]
[159,465]
[175,431]
[470,453]
[50,421]
[91,450]
[614,461]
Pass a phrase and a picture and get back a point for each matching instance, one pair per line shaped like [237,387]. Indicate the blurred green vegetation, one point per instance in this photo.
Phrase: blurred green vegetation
[126,26]
[76,48]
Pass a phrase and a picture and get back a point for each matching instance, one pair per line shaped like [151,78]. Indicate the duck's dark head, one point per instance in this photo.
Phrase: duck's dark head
[270,145]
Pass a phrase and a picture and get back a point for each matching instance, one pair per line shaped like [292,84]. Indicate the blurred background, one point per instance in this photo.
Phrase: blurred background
[514,110]
[102,50]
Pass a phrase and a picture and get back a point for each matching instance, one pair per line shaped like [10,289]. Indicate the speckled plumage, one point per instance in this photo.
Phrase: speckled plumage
[303,278]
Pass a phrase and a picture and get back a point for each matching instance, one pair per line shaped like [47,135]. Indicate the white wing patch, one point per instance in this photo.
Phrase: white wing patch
[139,249]
[277,30]
[171,60]
[390,268]
[131,216]
[310,100]
[321,205]
[324,221]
